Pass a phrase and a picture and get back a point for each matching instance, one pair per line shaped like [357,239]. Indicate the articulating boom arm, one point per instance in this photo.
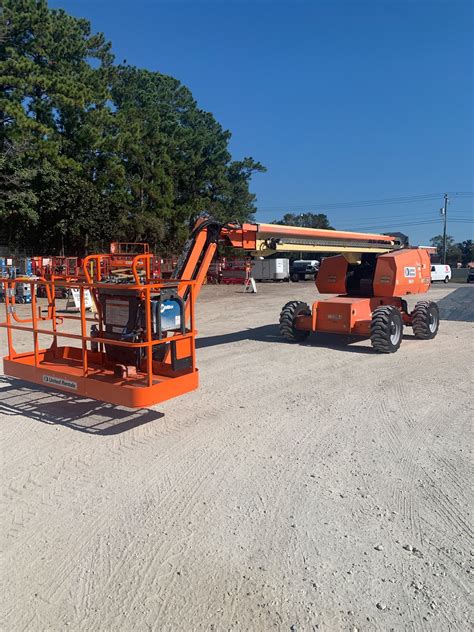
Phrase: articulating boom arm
[267,239]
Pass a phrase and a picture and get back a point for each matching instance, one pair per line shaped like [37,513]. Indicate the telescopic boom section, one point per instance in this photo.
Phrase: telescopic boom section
[267,239]
[264,240]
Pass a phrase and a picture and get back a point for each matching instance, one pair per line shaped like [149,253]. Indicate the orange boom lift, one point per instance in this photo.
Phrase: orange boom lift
[369,302]
[137,348]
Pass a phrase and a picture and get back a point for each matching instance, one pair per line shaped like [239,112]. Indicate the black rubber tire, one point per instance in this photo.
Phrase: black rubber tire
[446,279]
[386,319]
[287,319]
[295,277]
[425,320]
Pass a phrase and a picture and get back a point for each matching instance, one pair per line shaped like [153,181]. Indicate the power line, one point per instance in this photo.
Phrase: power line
[393,227]
[364,203]
[399,220]
[414,215]
[391,223]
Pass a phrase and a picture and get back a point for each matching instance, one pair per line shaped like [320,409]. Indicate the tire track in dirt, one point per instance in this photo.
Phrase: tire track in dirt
[157,558]
[406,435]
[49,475]
[406,446]
[446,510]
[81,469]
[410,457]
[295,472]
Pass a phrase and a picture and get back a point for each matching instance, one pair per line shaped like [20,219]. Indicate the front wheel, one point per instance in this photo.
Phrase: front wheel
[425,320]
[386,329]
[287,321]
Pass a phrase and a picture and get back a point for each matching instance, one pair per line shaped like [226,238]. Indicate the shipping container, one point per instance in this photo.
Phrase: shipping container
[271,269]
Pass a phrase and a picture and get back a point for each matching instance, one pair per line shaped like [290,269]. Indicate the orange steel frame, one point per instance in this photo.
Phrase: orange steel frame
[81,371]
[102,265]
[250,236]
[348,314]
[122,255]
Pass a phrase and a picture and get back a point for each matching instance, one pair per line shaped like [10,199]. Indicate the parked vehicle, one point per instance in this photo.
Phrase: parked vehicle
[271,269]
[440,272]
[302,269]
[470,275]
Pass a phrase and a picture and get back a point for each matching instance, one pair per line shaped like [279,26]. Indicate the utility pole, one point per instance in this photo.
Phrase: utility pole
[444,212]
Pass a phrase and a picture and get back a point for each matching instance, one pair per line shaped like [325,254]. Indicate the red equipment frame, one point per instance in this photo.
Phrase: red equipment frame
[123,254]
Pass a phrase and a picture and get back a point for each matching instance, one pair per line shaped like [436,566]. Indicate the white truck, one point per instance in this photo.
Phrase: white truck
[440,272]
[271,269]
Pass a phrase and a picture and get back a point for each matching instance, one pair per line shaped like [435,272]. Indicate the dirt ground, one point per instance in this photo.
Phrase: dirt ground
[302,487]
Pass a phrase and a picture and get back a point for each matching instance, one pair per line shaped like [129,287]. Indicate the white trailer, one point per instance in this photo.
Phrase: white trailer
[271,269]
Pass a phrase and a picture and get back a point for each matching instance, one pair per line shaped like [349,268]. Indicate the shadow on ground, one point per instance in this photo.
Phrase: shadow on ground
[458,305]
[18,397]
[271,333]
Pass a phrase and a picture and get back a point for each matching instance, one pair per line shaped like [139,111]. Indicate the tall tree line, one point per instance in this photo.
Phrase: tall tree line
[305,220]
[460,252]
[92,151]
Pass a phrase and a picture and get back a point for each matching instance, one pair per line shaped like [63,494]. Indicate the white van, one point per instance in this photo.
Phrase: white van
[440,272]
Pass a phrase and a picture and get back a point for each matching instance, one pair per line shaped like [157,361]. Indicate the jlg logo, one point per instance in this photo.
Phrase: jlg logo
[410,272]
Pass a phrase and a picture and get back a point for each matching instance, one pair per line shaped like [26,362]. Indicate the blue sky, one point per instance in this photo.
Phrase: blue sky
[344,101]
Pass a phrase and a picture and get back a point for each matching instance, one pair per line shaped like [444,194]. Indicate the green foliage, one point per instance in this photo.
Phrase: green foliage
[17,200]
[173,160]
[455,252]
[92,152]
[467,251]
[305,220]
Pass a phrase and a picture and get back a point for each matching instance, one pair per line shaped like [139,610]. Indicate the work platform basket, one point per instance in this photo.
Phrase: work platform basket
[130,344]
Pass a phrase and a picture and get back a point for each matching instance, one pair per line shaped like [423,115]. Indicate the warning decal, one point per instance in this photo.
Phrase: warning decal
[116,313]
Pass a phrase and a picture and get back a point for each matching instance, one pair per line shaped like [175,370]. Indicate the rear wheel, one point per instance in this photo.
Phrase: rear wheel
[287,321]
[425,320]
[386,329]
[446,279]
[295,277]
